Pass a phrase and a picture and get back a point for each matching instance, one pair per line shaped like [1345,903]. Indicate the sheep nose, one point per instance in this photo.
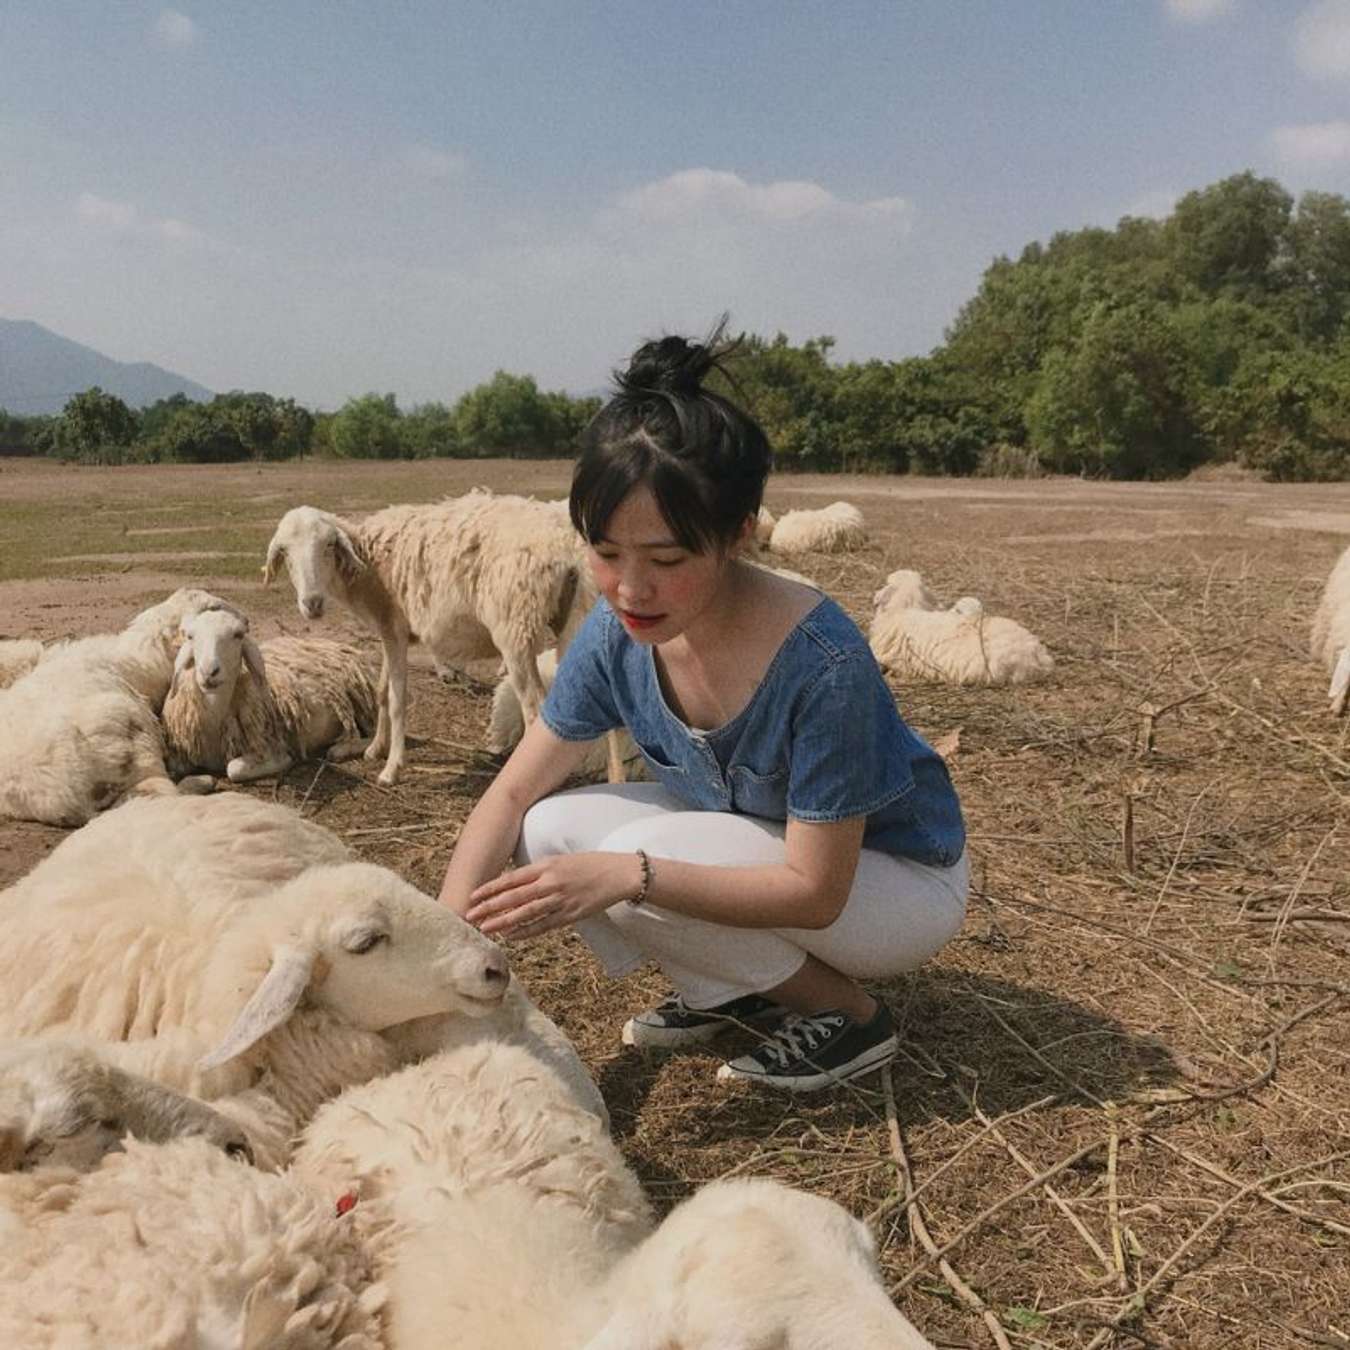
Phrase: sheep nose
[312,606]
[496,971]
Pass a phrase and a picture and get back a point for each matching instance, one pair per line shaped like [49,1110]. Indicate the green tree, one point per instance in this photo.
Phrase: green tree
[1232,235]
[368,428]
[1317,267]
[428,432]
[95,428]
[508,413]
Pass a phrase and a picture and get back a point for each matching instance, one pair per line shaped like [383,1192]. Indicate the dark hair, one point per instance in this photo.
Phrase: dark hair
[704,459]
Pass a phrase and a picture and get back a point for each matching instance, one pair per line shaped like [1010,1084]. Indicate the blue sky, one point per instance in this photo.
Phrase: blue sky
[319,197]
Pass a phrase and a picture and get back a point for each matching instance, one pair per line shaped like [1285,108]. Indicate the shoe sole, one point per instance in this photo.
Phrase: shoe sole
[646,1037]
[876,1058]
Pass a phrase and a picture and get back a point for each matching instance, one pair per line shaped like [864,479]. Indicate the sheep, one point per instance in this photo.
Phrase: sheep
[481,1150]
[292,698]
[1330,642]
[78,731]
[175,1247]
[748,1265]
[467,577]
[507,725]
[961,645]
[17,657]
[837,528]
[264,995]
[65,1105]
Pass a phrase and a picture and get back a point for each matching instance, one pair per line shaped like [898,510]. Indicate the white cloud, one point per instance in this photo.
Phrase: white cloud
[1154,205]
[172,29]
[123,218]
[716,193]
[1197,11]
[1312,143]
[1322,38]
[425,162]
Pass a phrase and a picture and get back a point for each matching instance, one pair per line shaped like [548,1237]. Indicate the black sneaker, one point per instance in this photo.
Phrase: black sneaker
[805,1054]
[673,1023]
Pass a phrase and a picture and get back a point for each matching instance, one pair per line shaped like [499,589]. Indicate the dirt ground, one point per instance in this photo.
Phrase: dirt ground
[1121,1116]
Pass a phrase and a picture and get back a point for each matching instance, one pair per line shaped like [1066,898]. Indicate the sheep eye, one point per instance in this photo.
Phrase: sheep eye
[364,942]
[238,1149]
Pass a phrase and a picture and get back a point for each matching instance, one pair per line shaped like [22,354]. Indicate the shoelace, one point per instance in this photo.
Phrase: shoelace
[799,1035]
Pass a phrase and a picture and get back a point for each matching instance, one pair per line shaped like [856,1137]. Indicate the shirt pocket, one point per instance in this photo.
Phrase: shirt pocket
[759,794]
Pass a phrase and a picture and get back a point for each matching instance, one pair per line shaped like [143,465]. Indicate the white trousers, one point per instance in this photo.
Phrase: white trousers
[898,914]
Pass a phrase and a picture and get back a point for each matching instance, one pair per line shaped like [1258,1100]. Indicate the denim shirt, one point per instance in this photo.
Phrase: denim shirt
[819,740]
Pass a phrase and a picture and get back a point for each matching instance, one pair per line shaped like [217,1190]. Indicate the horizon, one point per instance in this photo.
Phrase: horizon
[321,205]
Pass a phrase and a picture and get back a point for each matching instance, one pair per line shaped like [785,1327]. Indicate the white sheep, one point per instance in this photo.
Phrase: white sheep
[748,1265]
[79,731]
[250,711]
[17,657]
[961,645]
[63,1104]
[837,528]
[175,1247]
[482,1149]
[265,994]
[468,577]
[1331,633]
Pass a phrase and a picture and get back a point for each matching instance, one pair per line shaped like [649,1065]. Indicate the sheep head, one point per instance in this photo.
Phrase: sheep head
[61,1105]
[359,942]
[182,604]
[319,556]
[214,644]
[904,589]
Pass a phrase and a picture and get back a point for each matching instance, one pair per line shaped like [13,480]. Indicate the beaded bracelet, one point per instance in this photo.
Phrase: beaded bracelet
[640,895]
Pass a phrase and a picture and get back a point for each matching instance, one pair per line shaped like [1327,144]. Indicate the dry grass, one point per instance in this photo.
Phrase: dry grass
[1122,1112]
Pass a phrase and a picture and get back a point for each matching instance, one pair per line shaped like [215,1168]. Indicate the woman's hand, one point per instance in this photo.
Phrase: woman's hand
[553,893]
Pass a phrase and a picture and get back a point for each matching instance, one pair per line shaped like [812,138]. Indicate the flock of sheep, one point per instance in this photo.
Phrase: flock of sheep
[255,1093]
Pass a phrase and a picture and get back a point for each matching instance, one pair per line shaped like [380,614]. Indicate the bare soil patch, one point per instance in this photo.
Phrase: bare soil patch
[1124,1093]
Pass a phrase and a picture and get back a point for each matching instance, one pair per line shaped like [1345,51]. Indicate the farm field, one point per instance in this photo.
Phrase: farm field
[1122,1105]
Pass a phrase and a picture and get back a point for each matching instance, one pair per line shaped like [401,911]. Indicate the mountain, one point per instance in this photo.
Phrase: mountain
[40,370]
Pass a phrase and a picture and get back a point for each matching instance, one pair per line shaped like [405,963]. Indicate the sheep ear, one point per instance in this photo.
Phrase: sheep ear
[269,570]
[183,661]
[348,563]
[271,1004]
[253,659]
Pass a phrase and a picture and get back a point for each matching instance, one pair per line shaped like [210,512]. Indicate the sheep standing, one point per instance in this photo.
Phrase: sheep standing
[1331,633]
[468,578]
[78,731]
[961,645]
[251,711]
[263,996]
[837,528]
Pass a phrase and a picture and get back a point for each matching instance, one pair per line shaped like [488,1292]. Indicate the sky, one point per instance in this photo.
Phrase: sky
[320,198]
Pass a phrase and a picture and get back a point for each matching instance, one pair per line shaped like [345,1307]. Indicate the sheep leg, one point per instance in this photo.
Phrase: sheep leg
[396,690]
[196,784]
[248,769]
[350,749]
[522,670]
[1339,692]
[616,771]
[379,742]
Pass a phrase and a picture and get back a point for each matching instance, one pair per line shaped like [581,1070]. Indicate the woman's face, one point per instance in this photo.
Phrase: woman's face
[657,588]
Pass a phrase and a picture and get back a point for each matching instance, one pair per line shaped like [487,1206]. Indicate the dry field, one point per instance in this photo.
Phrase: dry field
[1122,1112]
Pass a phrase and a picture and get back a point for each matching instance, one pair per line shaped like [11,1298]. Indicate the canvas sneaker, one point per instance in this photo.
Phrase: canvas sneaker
[805,1054]
[673,1024]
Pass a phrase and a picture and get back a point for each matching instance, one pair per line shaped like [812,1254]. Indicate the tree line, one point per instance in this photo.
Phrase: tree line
[1220,334]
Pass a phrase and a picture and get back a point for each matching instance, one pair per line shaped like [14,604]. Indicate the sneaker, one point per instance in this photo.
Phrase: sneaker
[808,1053]
[673,1023]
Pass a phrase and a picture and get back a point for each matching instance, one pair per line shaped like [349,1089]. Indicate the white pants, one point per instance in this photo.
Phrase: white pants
[898,914]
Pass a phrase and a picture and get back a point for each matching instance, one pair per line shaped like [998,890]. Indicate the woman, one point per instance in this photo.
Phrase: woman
[799,837]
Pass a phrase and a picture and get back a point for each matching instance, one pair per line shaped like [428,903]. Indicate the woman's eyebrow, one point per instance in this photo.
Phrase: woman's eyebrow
[645,543]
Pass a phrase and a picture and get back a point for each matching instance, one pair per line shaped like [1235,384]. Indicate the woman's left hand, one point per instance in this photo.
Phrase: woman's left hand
[553,893]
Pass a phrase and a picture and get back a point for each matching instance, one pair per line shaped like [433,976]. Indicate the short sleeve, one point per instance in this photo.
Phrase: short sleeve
[580,706]
[848,753]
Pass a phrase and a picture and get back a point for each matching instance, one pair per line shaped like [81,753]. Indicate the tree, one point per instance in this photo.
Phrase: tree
[368,428]
[1318,265]
[1231,236]
[95,428]
[509,413]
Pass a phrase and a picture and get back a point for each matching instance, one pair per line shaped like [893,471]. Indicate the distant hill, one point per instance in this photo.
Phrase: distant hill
[40,370]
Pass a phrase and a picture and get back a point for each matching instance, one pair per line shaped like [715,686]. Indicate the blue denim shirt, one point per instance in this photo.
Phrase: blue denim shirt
[819,740]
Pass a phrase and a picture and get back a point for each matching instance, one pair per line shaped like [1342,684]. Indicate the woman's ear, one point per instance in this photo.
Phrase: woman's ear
[743,539]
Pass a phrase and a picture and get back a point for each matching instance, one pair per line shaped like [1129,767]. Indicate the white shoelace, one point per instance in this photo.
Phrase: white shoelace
[799,1035]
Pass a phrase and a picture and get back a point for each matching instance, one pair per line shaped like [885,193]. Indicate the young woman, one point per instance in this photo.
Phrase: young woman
[799,837]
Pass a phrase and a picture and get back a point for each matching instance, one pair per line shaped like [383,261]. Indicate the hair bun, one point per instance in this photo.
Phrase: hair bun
[673,365]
